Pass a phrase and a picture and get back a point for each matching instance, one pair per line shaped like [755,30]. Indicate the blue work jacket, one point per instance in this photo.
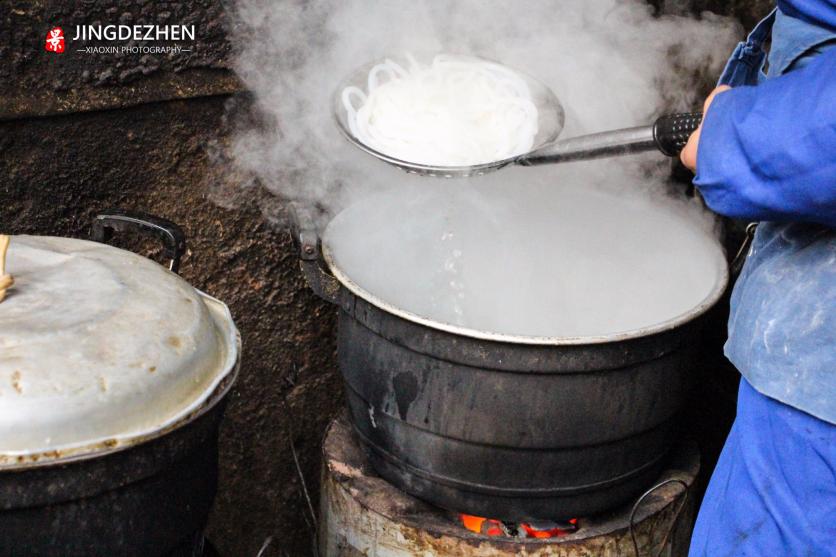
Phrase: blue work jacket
[767,153]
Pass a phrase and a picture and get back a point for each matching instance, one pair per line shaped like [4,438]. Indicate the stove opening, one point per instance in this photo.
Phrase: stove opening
[539,529]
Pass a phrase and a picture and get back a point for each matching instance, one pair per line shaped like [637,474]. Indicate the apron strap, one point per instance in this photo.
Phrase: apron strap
[746,63]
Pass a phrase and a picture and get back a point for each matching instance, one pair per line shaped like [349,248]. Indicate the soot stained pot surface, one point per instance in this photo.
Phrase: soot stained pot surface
[508,426]
[113,372]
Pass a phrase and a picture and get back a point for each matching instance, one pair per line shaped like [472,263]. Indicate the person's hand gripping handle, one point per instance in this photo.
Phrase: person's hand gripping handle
[689,154]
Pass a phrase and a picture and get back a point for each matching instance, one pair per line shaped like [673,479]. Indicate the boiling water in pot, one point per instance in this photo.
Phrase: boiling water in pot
[544,260]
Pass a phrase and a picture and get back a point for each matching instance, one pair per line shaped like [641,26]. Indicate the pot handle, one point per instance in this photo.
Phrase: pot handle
[309,246]
[119,220]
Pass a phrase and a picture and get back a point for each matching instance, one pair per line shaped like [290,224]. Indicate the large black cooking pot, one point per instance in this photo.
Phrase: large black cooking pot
[145,496]
[505,429]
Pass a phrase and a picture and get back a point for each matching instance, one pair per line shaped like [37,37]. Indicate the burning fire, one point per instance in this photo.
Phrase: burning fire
[541,530]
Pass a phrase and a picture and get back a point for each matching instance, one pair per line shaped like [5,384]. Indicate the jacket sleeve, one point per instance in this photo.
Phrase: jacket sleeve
[769,152]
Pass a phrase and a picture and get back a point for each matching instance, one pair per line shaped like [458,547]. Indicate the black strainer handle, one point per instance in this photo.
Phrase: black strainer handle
[668,134]
[671,132]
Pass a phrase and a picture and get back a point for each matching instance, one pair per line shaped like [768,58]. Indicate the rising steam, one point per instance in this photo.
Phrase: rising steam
[611,63]
[592,243]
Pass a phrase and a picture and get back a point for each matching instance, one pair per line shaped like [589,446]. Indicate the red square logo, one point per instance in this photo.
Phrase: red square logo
[55,40]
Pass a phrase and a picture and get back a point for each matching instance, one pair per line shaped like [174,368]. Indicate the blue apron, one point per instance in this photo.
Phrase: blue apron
[773,492]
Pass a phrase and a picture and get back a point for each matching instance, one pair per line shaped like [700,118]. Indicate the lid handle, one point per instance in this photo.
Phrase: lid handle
[119,220]
[6,280]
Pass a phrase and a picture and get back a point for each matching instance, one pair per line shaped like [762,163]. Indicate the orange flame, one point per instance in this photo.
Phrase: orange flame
[491,527]
[481,525]
[550,533]
[472,523]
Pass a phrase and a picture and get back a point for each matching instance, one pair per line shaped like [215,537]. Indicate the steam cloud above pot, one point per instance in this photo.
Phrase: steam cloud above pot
[611,62]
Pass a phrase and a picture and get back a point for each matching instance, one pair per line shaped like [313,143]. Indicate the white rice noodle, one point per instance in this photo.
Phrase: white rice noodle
[457,111]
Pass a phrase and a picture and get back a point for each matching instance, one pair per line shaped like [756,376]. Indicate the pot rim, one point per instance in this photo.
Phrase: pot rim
[707,303]
[11,462]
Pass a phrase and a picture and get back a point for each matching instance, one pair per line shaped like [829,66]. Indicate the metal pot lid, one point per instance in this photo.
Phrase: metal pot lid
[674,257]
[100,348]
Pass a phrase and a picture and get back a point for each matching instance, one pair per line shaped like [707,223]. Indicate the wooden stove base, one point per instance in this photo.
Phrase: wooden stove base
[361,515]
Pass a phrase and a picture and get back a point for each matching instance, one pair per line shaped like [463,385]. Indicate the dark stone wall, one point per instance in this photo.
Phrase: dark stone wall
[80,133]
[34,82]
[748,12]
